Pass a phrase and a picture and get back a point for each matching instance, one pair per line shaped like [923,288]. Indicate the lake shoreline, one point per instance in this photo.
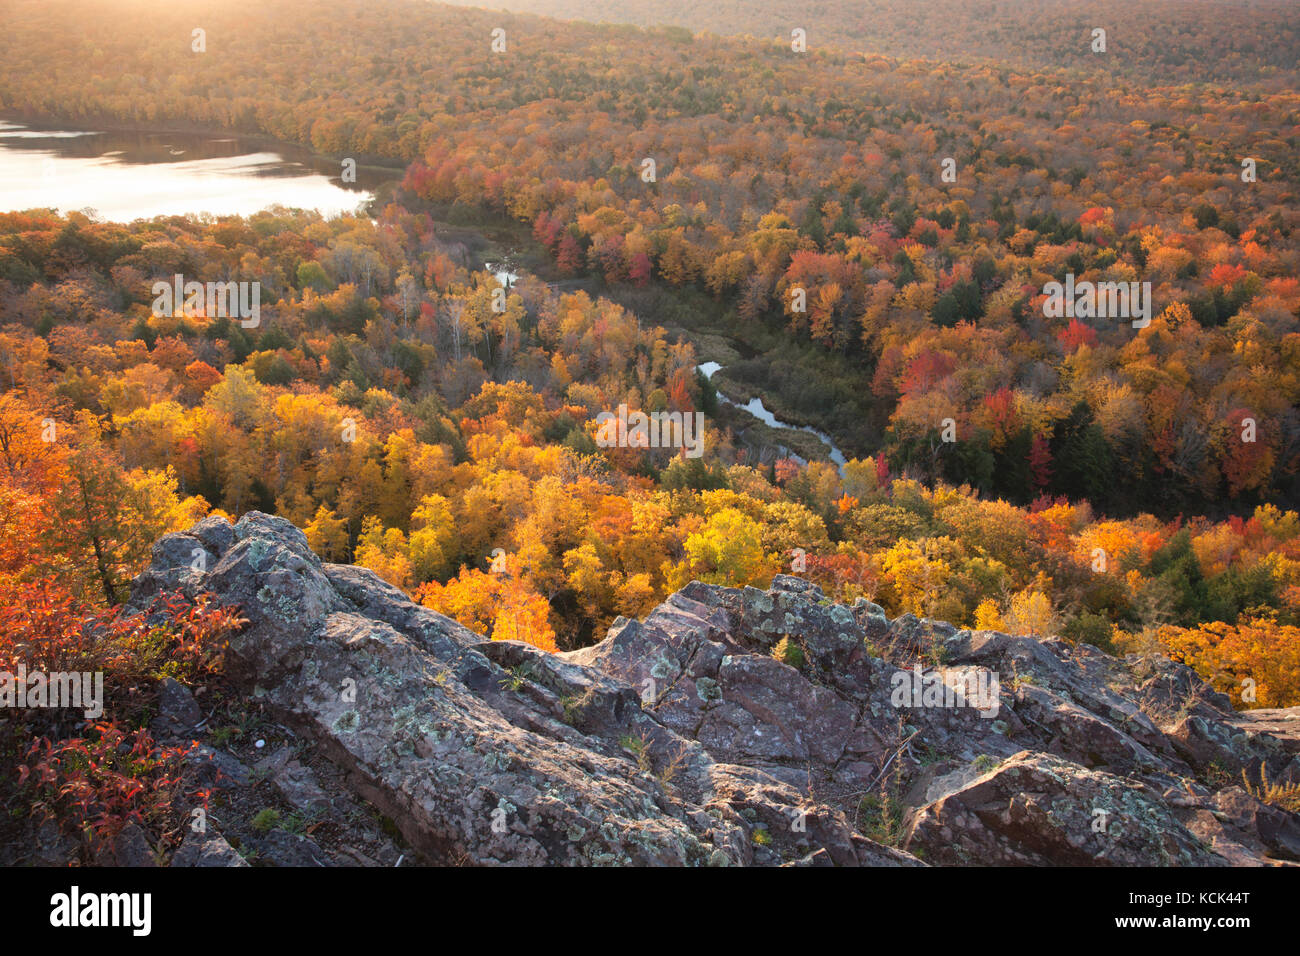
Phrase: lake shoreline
[125,171]
[487,237]
[164,126]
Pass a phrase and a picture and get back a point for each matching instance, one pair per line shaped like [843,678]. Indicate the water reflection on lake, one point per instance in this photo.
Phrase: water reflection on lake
[132,175]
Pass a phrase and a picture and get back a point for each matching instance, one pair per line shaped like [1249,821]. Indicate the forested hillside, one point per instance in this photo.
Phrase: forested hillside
[1166,41]
[1100,483]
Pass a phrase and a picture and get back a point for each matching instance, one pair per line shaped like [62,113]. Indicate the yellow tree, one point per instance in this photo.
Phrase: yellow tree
[727,550]
[433,539]
[384,551]
[328,535]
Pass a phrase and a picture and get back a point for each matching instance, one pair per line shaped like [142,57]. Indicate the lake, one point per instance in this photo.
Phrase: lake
[127,175]
[133,175]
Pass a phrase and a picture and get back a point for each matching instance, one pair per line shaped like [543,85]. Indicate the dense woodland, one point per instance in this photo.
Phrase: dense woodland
[414,430]
[1169,41]
[1099,486]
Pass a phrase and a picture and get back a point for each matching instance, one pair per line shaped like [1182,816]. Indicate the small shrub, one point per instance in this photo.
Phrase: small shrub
[639,749]
[92,781]
[96,784]
[788,652]
[1283,795]
[881,818]
[266,819]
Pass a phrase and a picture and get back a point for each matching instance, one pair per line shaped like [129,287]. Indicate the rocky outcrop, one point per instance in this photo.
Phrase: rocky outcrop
[682,740]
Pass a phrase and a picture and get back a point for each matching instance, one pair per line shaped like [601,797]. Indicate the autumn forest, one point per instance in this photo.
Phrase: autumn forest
[860,233]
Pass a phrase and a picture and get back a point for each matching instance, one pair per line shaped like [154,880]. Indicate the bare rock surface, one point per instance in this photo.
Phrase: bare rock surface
[681,739]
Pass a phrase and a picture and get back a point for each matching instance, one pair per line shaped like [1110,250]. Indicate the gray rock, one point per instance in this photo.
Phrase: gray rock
[485,752]
[207,850]
[280,848]
[681,740]
[208,766]
[296,782]
[178,713]
[1036,809]
[129,848]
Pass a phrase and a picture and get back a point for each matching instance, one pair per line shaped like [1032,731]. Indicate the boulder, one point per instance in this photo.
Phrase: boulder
[482,752]
[1038,810]
[682,739]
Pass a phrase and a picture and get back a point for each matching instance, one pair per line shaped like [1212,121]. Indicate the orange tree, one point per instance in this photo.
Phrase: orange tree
[1254,653]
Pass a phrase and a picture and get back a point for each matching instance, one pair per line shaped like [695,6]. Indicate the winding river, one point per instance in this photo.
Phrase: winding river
[756,408]
[508,277]
[127,175]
